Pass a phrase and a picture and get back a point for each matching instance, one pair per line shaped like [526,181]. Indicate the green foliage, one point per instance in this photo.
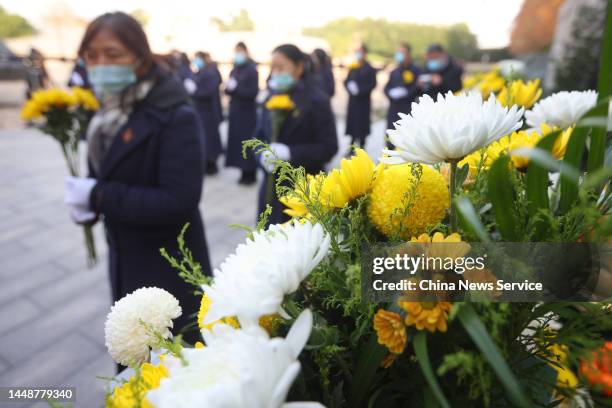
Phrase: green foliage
[188,268]
[383,36]
[240,22]
[13,25]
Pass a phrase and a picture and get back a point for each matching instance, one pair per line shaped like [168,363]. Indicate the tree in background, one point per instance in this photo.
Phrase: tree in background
[240,22]
[579,68]
[534,26]
[13,25]
[383,37]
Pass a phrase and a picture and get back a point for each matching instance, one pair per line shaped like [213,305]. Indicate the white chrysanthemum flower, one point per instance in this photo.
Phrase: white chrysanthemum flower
[237,368]
[449,128]
[127,340]
[253,281]
[562,109]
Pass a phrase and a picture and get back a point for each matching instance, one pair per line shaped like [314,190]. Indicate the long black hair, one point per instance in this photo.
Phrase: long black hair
[293,53]
[322,61]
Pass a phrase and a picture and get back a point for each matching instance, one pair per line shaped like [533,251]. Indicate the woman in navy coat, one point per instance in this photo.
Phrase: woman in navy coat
[208,81]
[308,136]
[359,83]
[323,73]
[242,87]
[402,88]
[145,161]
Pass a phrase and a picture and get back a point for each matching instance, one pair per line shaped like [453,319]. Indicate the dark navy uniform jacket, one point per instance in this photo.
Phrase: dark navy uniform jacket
[397,78]
[310,133]
[205,97]
[358,115]
[451,79]
[149,185]
[242,115]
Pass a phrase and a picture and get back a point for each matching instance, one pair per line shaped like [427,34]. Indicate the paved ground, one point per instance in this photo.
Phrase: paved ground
[52,308]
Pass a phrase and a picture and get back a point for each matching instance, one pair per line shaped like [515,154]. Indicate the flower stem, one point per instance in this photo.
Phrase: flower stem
[452,187]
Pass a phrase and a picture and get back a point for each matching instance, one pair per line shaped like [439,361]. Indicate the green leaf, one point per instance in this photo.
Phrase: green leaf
[470,219]
[420,350]
[537,183]
[598,137]
[369,361]
[573,158]
[480,336]
[501,194]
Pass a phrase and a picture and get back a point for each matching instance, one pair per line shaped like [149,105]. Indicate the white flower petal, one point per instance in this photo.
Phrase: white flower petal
[562,109]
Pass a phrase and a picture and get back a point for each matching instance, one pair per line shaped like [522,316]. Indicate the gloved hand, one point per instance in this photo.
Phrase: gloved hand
[231,84]
[352,87]
[190,85]
[77,191]
[81,215]
[279,151]
[398,92]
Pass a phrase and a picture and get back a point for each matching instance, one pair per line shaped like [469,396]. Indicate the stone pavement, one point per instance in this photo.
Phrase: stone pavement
[52,307]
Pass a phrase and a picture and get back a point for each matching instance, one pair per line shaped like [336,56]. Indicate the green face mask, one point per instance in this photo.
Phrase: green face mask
[111,79]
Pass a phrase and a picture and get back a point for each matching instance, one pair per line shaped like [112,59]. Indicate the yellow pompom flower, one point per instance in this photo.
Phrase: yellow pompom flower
[204,308]
[396,203]
[353,65]
[280,102]
[408,77]
[132,393]
[432,316]
[390,330]
[45,99]
[520,93]
[352,180]
[85,98]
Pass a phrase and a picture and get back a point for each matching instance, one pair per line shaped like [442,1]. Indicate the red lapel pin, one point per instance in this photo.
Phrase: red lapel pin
[127,135]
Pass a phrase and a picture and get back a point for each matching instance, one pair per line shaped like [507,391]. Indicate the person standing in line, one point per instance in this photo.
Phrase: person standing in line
[242,88]
[359,83]
[145,161]
[308,135]
[78,76]
[323,73]
[208,80]
[442,74]
[401,89]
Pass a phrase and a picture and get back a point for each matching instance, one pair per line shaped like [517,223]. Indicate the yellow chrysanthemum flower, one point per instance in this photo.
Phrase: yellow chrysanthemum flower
[565,377]
[432,316]
[491,82]
[198,345]
[45,99]
[505,145]
[454,246]
[85,98]
[393,191]
[303,194]
[390,330]
[204,308]
[280,102]
[408,77]
[471,81]
[520,93]
[352,180]
[560,146]
[132,393]
[31,110]
[354,65]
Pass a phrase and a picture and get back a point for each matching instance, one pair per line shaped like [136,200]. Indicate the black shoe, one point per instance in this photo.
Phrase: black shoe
[211,167]
[247,178]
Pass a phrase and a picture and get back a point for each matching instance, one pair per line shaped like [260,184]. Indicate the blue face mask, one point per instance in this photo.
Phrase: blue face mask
[199,63]
[111,79]
[239,58]
[358,55]
[281,81]
[399,57]
[435,65]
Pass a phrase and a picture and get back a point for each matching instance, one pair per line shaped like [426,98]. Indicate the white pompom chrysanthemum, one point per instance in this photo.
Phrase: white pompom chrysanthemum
[449,128]
[127,339]
[562,109]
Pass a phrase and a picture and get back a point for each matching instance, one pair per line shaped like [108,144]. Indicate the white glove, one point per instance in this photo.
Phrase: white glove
[398,92]
[190,85]
[231,84]
[81,215]
[279,151]
[352,87]
[77,191]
